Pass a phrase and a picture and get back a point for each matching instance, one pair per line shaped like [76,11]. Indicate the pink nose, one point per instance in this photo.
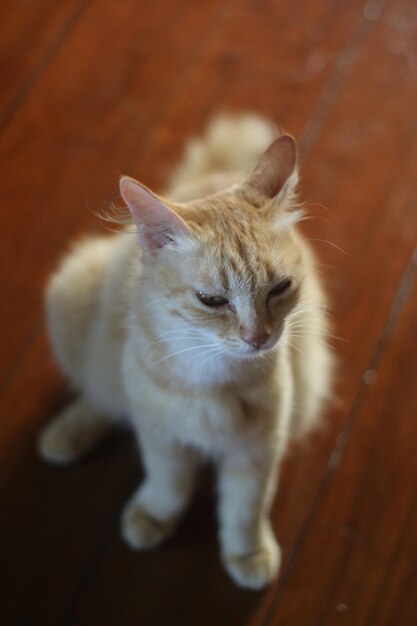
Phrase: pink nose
[257,341]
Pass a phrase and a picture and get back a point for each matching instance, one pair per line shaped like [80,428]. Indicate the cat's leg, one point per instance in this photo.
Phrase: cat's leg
[73,433]
[152,513]
[247,484]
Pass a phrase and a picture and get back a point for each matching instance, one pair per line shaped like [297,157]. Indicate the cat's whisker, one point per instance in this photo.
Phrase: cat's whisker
[307,206]
[312,312]
[189,335]
[301,314]
[313,217]
[189,331]
[325,333]
[213,354]
[176,338]
[325,338]
[180,332]
[326,266]
[179,337]
[158,342]
[334,245]
[182,351]
[309,309]
[292,345]
[311,324]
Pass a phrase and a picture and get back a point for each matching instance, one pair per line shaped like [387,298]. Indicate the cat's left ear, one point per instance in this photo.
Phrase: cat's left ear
[157,224]
[276,172]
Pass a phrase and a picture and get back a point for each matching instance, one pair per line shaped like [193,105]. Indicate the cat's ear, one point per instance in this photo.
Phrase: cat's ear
[157,224]
[276,171]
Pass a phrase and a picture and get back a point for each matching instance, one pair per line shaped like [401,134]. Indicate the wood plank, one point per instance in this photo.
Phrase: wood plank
[31,34]
[182,558]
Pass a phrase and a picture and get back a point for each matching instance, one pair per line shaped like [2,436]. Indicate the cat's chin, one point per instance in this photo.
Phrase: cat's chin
[253,354]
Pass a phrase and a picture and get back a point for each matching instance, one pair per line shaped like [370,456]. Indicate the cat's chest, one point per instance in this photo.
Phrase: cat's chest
[210,418]
[207,420]
[210,423]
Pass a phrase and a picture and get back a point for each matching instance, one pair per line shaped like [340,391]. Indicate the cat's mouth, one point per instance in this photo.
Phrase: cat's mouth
[251,352]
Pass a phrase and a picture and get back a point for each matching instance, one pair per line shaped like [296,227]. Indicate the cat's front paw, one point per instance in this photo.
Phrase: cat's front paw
[142,531]
[257,569]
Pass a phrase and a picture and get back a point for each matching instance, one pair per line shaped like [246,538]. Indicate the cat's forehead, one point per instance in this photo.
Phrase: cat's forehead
[234,263]
[231,222]
[239,247]
[242,261]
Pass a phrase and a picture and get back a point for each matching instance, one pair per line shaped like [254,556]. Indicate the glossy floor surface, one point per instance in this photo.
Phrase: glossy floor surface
[90,89]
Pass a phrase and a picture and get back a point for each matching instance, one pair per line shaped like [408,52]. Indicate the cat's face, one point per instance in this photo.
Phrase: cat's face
[236,279]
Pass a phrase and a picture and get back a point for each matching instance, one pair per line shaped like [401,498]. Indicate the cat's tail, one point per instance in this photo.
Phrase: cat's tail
[231,143]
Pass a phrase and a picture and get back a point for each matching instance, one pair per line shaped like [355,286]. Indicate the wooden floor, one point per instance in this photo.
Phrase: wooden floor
[90,89]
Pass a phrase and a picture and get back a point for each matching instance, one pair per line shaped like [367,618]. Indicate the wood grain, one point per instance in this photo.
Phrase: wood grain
[31,34]
[342,77]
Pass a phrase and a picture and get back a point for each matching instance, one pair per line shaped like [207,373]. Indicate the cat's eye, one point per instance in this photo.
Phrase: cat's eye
[211,301]
[281,287]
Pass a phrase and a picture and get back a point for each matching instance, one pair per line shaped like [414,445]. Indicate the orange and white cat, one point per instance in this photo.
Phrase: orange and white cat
[206,331]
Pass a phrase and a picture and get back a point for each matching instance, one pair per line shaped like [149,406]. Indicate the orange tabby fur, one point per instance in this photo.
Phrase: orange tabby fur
[131,328]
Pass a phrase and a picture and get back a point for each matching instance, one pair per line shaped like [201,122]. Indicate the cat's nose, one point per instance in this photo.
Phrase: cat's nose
[257,341]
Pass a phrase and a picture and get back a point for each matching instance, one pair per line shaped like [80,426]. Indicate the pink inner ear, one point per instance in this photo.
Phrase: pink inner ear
[157,224]
[275,166]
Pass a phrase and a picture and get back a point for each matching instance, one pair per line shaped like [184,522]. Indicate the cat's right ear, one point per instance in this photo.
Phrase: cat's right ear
[157,224]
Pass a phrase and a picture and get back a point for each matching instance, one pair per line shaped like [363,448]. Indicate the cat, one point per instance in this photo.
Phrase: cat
[205,331]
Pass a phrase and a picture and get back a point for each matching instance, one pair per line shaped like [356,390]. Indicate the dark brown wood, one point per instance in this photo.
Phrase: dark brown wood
[121,92]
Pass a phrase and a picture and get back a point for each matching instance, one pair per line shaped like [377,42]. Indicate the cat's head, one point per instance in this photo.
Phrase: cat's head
[228,266]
